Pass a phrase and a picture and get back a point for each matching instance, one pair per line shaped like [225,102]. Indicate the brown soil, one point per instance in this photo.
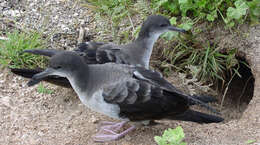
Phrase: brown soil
[29,117]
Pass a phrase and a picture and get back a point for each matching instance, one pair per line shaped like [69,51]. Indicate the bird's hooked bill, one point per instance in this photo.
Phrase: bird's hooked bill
[172,28]
[40,76]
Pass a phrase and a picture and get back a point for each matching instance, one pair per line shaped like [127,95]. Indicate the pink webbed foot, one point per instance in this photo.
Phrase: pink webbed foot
[109,131]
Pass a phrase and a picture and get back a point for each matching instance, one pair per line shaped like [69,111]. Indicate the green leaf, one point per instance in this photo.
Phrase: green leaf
[231,24]
[239,11]
[201,3]
[232,13]
[212,16]
[173,6]
[173,20]
[185,5]
[171,137]
[159,4]
[159,140]
[187,23]
[169,35]
[250,141]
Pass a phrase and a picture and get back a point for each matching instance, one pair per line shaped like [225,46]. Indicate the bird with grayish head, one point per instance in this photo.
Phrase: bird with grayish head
[124,92]
[136,53]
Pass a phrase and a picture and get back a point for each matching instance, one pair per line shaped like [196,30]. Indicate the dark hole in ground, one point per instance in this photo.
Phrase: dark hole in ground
[239,94]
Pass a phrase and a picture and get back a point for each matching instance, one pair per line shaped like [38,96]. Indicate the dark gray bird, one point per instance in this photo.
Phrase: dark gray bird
[137,53]
[124,92]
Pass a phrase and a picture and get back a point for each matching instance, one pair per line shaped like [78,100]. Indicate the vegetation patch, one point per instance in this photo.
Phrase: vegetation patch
[11,50]
[230,11]
[209,63]
[44,90]
[116,18]
[171,137]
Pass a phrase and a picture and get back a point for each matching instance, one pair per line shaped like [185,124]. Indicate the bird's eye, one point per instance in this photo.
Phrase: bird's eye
[163,25]
[57,67]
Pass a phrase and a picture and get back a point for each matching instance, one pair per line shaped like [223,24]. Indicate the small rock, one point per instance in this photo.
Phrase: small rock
[93,119]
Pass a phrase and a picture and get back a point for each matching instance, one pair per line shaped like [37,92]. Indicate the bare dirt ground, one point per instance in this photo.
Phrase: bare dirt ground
[29,117]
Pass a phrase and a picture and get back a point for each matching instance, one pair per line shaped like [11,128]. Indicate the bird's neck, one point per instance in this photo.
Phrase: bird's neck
[145,51]
[85,82]
[79,80]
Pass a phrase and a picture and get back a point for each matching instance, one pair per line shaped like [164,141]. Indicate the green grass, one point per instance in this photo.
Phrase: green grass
[113,15]
[114,8]
[212,65]
[250,141]
[42,89]
[11,50]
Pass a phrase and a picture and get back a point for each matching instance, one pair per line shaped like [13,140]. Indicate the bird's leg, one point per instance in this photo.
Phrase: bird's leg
[109,131]
[113,126]
[103,123]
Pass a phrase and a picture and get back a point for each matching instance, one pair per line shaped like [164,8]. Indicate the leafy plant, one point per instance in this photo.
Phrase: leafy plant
[42,89]
[236,13]
[11,50]
[231,11]
[171,137]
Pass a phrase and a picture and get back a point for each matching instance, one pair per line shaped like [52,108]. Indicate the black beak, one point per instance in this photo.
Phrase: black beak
[40,76]
[176,29]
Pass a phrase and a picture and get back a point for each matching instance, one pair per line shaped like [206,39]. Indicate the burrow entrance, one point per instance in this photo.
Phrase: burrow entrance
[239,93]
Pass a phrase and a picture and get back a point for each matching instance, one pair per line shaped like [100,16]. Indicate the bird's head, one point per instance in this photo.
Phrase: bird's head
[156,25]
[63,64]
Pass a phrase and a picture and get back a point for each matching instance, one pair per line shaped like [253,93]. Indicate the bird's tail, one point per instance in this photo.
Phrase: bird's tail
[29,73]
[202,98]
[199,117]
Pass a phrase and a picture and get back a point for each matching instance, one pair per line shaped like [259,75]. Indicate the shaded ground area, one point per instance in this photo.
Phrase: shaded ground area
[30,117]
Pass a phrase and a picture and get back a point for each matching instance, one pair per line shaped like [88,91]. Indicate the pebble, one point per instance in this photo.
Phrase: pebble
[63,18]
[93,119]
